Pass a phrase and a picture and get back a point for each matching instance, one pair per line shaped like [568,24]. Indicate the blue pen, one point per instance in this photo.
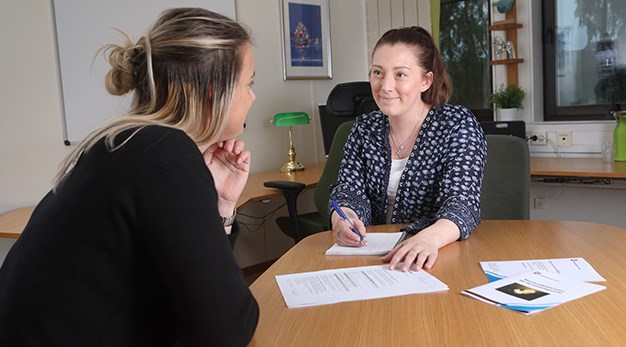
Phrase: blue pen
[333,203]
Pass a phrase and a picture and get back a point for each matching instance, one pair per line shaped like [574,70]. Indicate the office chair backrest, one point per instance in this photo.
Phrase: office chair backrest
[331,170]
[505,192]
[515,128]
[350,99]
[329,125]
[345,102]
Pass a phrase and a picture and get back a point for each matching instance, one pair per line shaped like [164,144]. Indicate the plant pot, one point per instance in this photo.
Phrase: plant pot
[506,114]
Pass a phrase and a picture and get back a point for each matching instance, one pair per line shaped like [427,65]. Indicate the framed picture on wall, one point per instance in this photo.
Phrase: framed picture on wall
[306,39]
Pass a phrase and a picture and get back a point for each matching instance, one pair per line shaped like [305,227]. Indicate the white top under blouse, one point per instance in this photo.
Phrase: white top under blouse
[397,166]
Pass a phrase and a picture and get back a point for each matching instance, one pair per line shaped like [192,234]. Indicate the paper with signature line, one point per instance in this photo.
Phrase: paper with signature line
[351,284]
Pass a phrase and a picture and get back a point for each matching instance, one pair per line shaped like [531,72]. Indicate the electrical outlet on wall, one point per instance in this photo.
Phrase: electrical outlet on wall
[540,139]
[540,203]
[564,138]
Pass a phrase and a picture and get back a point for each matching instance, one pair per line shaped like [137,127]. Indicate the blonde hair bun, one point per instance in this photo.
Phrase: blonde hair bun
[121,77]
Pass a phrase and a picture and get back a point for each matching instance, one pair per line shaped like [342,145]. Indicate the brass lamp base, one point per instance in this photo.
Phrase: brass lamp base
[292,166]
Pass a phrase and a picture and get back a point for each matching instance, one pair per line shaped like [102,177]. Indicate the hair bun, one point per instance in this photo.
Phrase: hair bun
[121,77]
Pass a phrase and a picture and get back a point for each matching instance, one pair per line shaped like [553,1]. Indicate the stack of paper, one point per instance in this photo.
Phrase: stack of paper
[351,284]
[377,244]
[573,268]
[530,286]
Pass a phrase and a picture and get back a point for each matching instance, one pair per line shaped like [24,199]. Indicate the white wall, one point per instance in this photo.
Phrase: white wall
[31,143]
[579,202]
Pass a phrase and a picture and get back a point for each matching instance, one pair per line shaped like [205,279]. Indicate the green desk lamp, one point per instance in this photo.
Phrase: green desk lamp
[289,119]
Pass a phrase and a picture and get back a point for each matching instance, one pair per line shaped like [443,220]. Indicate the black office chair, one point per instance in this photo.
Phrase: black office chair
[344,103]
[505,193]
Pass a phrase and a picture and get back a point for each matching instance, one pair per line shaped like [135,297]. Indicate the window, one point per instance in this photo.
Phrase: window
[464,44]
[584,58]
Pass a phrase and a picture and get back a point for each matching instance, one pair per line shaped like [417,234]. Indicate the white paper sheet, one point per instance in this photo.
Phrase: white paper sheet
[573,268]
[377,244]
[532,291]
[351,284]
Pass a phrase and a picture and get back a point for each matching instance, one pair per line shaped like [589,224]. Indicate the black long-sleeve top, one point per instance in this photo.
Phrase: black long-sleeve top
[129,251]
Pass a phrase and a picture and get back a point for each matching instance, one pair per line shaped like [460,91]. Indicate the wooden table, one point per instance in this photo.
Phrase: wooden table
[577,167]
[13,222]
[450,318]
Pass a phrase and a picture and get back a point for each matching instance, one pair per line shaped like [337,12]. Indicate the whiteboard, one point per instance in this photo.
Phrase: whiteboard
[82,27]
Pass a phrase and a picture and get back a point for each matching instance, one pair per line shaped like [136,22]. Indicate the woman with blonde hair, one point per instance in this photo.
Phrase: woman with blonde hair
[133,244]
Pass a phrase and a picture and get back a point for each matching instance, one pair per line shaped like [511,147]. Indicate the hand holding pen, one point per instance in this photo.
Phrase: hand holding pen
[346,237]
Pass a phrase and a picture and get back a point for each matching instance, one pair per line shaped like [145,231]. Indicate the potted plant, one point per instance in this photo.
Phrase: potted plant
[507,101]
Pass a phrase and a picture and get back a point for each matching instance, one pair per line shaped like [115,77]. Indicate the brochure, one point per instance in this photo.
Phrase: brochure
[573,268]
[377,244]
[532,291]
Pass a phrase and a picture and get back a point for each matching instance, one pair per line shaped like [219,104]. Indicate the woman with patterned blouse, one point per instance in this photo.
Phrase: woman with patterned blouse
[418,160]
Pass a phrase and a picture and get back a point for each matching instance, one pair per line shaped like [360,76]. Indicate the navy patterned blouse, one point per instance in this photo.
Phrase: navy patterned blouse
[442,177]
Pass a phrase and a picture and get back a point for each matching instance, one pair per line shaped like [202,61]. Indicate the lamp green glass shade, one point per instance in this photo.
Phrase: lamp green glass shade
[289,119]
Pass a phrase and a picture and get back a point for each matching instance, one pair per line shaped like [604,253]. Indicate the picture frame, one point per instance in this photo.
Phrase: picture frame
[305,35]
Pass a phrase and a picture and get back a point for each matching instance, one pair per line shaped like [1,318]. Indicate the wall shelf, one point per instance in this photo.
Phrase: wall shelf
[506,61]
[510,27]
[504,25]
